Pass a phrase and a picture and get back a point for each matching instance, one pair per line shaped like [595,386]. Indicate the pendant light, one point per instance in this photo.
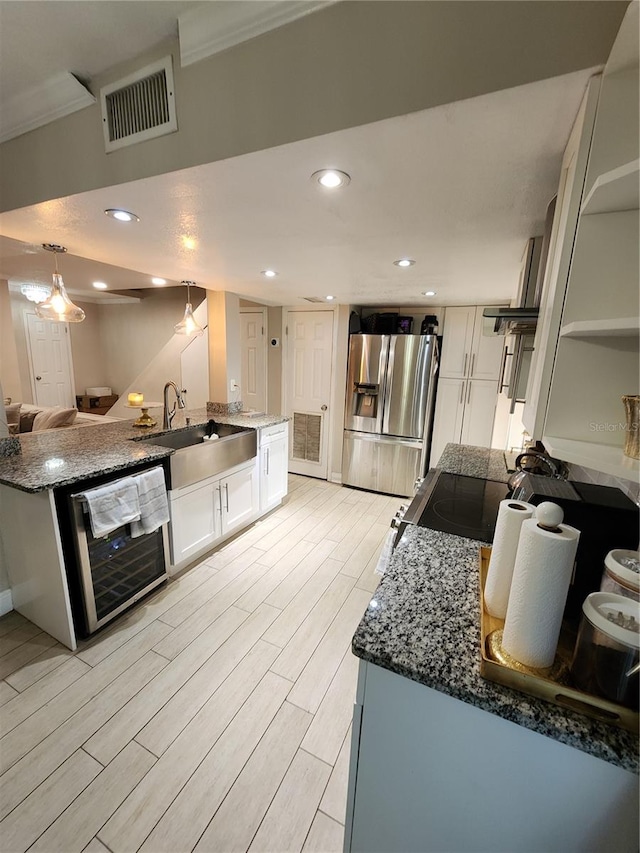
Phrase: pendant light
[188,325]
[58,307]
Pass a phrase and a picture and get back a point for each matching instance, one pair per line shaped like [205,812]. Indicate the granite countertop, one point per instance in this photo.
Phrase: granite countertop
[64,456]
[484,462]
[424,623]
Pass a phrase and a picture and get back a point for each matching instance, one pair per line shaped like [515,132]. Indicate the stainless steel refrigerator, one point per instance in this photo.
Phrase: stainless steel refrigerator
[388,411]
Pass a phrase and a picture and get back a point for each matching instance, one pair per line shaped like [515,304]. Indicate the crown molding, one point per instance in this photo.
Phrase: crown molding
[218,26]
[58,96]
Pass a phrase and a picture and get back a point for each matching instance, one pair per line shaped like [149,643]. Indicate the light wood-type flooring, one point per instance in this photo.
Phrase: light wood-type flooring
[213,716]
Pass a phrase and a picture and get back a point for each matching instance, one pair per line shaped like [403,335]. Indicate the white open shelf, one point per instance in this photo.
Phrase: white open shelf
[600,457]
[619,327]
[616,190]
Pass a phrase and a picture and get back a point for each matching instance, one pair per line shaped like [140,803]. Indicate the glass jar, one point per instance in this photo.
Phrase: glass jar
[605,660]
[622,573]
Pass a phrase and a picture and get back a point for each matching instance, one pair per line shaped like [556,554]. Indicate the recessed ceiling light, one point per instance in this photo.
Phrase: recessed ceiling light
[329,298]
[331,179]
[100,285]
[158,281]
[269,273]
[429,293]
[188,242]
[404,262]
[122,215]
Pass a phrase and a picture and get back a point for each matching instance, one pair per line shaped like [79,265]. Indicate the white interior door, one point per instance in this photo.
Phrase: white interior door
[309,360]
[253,389]
[50,362]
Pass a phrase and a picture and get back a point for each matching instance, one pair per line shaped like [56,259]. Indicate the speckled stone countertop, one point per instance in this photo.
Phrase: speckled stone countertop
[424,623]
[64,456]
[481,462]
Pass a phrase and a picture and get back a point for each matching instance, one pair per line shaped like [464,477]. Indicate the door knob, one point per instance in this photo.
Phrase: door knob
[323,407]
[38,378]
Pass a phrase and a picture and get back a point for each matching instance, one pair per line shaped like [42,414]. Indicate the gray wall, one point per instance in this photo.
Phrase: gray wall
[113,344]
[347,65]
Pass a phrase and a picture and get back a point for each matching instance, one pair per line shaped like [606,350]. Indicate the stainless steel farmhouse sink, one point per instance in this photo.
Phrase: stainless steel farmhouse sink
[205,450]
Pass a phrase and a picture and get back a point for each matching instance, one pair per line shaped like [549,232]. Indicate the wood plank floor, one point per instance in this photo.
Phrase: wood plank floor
[215,715]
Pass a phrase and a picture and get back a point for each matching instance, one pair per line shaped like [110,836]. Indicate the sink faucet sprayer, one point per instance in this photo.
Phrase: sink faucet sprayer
[168,416]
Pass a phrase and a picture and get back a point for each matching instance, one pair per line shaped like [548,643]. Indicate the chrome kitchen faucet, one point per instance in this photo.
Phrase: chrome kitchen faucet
[168,416]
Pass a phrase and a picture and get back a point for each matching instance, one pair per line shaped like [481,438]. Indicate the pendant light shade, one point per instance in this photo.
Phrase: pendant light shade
[188,325]
[58,307]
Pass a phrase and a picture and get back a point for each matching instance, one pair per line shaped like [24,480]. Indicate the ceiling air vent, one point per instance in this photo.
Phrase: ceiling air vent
[139,107]
[314,298]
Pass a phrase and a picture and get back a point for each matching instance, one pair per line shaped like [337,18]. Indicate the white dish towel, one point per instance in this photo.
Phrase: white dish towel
[113,505]
[154,506]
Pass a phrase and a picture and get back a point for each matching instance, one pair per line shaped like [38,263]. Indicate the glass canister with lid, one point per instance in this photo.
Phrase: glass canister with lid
[622,573]
[605,660]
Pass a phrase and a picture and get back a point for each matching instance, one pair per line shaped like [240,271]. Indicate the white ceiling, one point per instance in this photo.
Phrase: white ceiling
[24,263]
[459,188]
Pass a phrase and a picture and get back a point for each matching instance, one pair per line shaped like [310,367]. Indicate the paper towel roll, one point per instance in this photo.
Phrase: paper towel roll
[541,578]
[511,516]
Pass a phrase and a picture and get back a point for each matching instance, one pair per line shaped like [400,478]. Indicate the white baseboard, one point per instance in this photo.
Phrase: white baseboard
[6,601]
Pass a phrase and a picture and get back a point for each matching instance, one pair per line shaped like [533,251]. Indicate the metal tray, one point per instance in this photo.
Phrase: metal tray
[554,685]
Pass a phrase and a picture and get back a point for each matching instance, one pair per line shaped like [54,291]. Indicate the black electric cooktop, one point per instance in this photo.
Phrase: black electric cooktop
[454,503]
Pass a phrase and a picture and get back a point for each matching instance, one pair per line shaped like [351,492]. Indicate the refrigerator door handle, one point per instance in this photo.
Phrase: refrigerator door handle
[383,439]
[388,385]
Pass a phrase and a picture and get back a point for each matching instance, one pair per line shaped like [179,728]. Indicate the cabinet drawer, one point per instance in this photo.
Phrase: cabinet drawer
[273,433]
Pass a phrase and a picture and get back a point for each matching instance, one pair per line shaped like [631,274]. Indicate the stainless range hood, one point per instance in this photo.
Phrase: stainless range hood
[513,321]
[523,317]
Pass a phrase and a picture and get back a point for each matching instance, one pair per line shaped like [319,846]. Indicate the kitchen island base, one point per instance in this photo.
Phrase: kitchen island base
[34,562]
[432,773]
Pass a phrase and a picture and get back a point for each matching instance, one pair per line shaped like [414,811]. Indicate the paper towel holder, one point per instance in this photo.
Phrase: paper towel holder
[549,516]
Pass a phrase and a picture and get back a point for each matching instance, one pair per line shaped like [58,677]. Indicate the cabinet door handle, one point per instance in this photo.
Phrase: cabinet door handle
[219,491]
[473,361]
[469,393]
[504,384]
[226,492]
[502,367]
[266,470]
[464,369]
[461,393]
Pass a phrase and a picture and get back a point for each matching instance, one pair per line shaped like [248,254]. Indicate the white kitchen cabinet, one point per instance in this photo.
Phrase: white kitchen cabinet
[274,464]
[418,780]
[469,350]
[447,425]
[195,519]
[572,177]
[486,348]
[468,385]
[457,342]
[207,511]
[238,498]
[465,411]
[587,345]
[480,401]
